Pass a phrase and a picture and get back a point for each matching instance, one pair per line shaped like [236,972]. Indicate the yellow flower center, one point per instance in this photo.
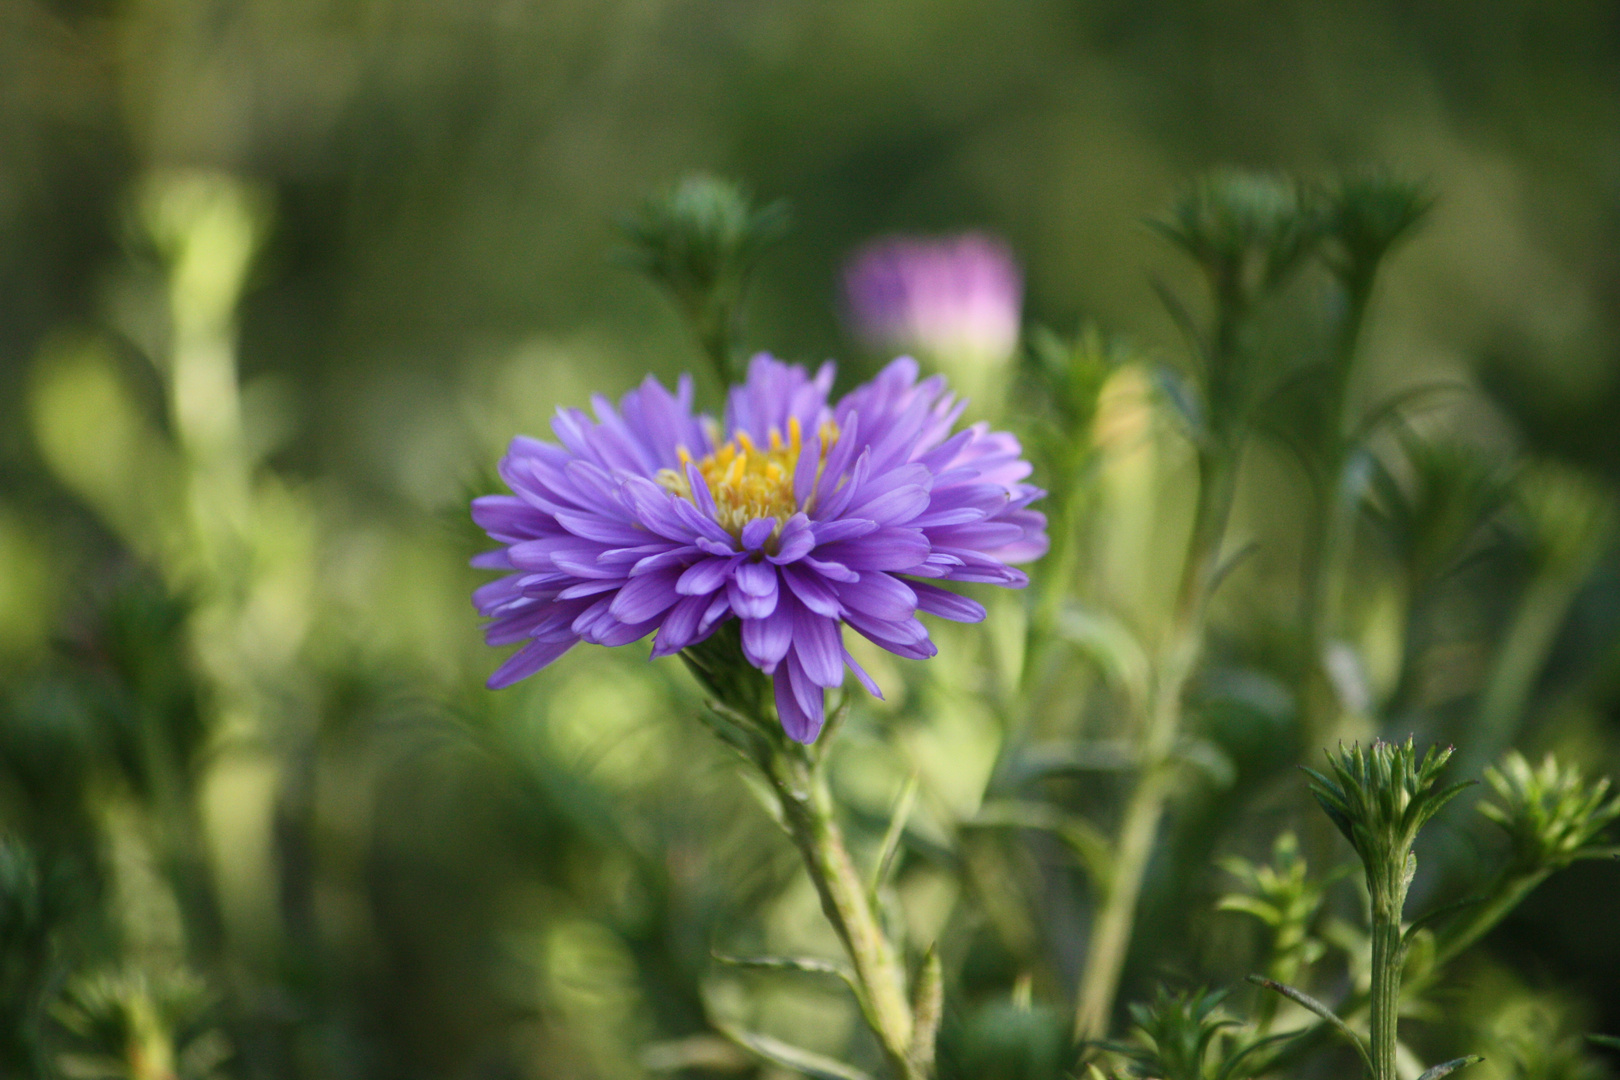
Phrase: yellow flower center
[747,481]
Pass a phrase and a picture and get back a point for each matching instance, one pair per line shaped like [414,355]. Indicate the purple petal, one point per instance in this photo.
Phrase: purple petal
[656,509]
[719,608]
[701,496]
[756,532]
[866,680]
[797,540]
[983,536]
[818,646]
[834,571]
[756,578]
[880,596]
[886,549]
[643,597]
[766,641]
[830,532]
[680,625]
[491,560]
[613,632]
[702,578]
[798,723]
[673,559]
[587,588]
[812,590]
[528,660]
[750,605]
[603,530]
[504,517]
[947,605]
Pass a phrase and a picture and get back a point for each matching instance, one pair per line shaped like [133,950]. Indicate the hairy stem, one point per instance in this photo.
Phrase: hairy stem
[879,972]
[1507,894]
[1385,996]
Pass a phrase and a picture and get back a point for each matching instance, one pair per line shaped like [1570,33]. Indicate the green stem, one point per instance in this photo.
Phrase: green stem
[1115,921]
[1388,956]
[1053,582]
[1327,532]
[1519,662]
[1511,889]
[879,972]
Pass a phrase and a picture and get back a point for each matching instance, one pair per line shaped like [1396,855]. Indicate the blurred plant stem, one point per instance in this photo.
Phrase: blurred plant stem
[1133,847]
[1248,233]
[1071,496]
[1336,491]
[233,545]
[1362,218]
[1570,522]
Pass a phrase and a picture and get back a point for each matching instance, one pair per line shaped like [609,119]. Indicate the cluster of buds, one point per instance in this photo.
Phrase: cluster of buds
[1552,815]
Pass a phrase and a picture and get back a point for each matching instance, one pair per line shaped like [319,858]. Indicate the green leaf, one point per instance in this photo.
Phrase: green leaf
[1448,1067]
[1183,398]
[1229,1068]
[1387,409]
[777,1052]
[1432,917]
[1251,905]
[1299,997]
[891,838]
[1090,846]
[1208,758]
[928,1008]
[766,797]
[1111,645]
[806,964]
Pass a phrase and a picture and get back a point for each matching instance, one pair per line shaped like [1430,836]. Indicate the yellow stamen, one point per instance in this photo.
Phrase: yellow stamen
[747,482]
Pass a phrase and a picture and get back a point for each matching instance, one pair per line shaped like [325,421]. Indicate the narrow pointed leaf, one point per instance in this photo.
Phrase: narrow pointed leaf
[1448,1067]
[1299,997]
[1229,1068]
[776,1052]
[1439,913]
[806,964]
[891,839]
[927,1010]
[1390,406]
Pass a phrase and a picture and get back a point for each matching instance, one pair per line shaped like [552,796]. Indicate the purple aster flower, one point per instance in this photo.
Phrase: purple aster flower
[954,298]
[796,517]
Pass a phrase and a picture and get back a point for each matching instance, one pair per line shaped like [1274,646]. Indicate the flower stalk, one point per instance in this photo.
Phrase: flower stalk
[796,775]
[1379,798]
[880,975]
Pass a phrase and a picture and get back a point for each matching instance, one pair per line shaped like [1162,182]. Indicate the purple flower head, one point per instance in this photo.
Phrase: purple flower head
[796,517]
[954,297]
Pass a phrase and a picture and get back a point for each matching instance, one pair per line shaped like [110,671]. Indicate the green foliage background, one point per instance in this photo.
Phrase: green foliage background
[242,723]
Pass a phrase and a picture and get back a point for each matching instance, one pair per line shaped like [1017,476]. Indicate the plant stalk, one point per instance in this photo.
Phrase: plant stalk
[1133,848]
[1388,957]
[1327,530]
[880,974]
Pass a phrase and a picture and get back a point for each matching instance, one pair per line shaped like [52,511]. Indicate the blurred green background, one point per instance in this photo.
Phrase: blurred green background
[242,723]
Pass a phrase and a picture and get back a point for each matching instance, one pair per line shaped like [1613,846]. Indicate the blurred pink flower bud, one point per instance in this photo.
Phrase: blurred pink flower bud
[956,300]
